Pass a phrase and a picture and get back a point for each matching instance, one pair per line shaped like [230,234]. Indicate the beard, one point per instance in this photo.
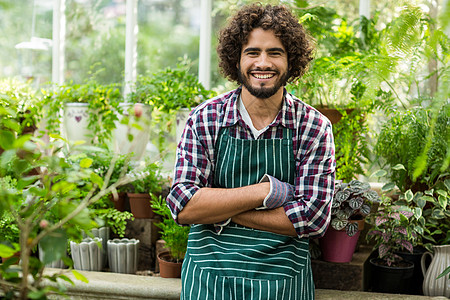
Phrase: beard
[263,92]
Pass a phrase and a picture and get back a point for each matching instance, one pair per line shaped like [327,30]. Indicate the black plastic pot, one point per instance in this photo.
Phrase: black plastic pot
[415,287]
[391,279]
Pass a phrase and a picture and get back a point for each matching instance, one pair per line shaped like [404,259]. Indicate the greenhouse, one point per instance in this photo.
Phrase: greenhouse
[224,149]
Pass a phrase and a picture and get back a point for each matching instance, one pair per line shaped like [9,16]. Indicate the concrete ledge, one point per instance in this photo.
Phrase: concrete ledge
[110,286]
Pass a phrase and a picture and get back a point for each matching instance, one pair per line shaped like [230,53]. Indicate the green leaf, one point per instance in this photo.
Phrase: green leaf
[86,163]
[417,212]
[442,193]
[53,245]
[445,272]
[409,195]
[438,214]
[388,187]
[447,184]
[38,294]
[421,202]
[443,201]
[65,278]
[20,141]
[79,276]
[403,218]
[6,139]
[418,230]
[399,167]
[338,224]
[96,179]
[429,192]
[379,173]
[429,199]
[6,251]
[26,181]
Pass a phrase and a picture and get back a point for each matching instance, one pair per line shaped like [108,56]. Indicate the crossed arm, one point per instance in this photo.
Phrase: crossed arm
[213,205]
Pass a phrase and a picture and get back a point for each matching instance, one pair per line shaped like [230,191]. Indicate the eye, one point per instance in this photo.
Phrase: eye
[275,54]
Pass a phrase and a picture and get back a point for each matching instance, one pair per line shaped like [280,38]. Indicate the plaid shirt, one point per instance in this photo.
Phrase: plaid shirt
[313,149]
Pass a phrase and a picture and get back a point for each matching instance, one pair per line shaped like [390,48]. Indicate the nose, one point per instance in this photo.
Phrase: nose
[263,61]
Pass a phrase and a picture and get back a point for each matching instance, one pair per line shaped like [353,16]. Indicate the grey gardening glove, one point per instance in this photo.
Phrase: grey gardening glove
[280,193]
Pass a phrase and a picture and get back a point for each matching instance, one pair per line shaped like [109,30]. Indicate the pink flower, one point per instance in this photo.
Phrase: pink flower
[43,223]
[138,110]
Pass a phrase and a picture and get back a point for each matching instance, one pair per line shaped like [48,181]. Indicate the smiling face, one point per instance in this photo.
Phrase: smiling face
[263,67]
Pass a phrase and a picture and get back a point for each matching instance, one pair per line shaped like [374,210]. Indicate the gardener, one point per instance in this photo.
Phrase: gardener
[255,168]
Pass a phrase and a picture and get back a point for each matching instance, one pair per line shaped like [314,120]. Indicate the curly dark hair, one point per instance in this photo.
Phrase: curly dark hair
[295,39]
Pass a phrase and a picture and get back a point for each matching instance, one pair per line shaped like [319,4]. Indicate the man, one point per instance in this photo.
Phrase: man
[255,169]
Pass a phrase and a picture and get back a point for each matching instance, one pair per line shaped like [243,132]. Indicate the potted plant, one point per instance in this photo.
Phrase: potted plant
[23,105]
[140,191]
[175,237]
[132,131]
[88,110]
[352,202]
[170,92]
[411,149]
[53,188]
[392,232]
[354,61]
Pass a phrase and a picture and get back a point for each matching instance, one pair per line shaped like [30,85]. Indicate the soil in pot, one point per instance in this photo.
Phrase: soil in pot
[390,279]
[168,266]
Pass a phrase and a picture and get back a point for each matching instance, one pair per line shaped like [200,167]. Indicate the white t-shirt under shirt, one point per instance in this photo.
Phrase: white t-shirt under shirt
[248,120]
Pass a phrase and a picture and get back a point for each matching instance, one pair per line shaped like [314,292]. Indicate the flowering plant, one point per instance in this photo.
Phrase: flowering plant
[393,231]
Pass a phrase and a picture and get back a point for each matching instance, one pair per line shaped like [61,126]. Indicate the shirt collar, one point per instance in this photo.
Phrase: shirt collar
[285,116]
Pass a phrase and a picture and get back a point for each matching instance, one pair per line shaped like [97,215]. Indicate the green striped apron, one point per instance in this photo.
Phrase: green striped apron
[244,263]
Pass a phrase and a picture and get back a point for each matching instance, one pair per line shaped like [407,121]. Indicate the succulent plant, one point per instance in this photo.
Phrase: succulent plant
[351,201]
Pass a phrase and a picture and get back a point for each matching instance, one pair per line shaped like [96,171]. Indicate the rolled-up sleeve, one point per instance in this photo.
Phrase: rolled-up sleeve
[314,181]
[192,170]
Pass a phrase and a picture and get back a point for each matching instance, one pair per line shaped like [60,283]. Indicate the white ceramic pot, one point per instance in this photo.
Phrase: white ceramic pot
[87,255]
[181,118]
[123,255]
[139,128]
[440,261]
[103,233]
[54,264]
[75,122]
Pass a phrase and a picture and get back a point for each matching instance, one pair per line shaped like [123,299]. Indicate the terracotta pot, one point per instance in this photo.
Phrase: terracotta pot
[16,255]
[333,114]
[119,203]
[140,206]
[337,246]
[168,269]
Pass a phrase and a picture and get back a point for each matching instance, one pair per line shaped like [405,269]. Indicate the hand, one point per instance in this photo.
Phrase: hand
[280,193]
